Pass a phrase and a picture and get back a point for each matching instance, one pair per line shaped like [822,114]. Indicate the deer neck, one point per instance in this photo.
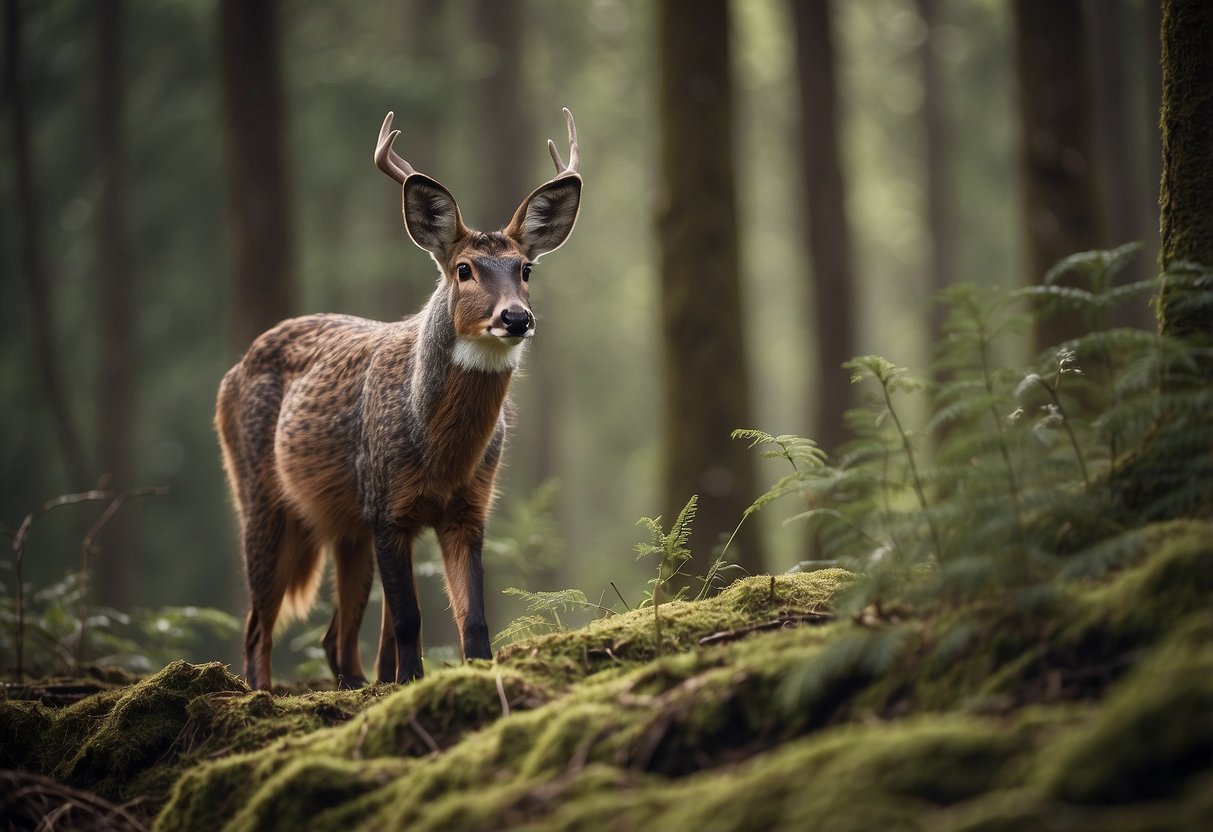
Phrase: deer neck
[459,384]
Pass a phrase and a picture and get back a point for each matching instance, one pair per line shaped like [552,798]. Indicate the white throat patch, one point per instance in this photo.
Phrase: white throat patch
[487,354]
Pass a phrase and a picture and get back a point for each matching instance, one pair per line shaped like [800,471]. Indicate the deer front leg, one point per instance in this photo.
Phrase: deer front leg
[394,552]
[462,539]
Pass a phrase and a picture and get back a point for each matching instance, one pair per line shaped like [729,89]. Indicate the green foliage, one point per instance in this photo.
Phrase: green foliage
[671,550]
[1014,481]
[526,537]
[58,616]
[543,612]
[672,554]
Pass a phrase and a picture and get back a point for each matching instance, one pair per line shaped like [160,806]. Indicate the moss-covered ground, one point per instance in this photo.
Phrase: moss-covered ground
[1089,707]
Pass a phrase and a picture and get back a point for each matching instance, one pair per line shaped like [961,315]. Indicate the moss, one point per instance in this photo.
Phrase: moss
[1153,735]
[706,736]
[22,726]
[103,742]
[630,638]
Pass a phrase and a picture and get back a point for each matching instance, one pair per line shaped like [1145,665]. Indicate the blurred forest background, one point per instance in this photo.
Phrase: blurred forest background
[772,187]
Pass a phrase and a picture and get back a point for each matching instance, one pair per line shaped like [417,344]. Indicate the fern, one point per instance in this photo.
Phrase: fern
[543,611]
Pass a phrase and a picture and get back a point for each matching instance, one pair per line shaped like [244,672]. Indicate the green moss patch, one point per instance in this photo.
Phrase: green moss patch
[630,639]
[1083,706]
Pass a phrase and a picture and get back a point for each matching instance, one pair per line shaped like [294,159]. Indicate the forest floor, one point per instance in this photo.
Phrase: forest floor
[1088,707]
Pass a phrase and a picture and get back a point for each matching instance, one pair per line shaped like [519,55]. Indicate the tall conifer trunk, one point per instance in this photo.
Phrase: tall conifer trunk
[705,378]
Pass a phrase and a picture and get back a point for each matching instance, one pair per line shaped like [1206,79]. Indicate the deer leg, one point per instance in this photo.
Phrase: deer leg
[263,536]
[385,664]
[461,540]
[355,569]
[394,552]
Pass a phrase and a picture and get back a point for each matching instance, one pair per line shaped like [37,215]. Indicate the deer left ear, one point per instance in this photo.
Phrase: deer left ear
[545,218]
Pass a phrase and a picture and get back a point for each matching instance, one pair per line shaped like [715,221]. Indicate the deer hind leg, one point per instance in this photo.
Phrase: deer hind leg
[263,535]
[461,540]
[355,570]
[385,663]
[284,571]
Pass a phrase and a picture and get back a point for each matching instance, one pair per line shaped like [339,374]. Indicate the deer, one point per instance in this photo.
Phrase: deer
[344,437]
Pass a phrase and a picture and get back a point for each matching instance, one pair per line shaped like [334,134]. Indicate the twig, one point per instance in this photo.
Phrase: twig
[89,547]
[23,531]
[773,624]
[424,734]
[33,797]
[621,598]
[505,703]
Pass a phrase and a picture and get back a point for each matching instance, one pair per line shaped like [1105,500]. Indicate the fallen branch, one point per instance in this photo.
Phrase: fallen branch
[791,619]
[36,802]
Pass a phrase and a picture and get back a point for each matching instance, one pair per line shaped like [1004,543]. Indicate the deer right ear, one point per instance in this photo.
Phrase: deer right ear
[431,215]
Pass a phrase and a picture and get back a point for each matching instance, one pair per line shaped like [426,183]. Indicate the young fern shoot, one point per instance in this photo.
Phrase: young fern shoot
[887,375]
[672,552]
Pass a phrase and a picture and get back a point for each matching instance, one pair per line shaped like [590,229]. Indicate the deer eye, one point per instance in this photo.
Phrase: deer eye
[465,271]
[526,273]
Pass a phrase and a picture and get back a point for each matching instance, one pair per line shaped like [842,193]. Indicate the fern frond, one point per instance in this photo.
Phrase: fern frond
[522,627]
[559,600]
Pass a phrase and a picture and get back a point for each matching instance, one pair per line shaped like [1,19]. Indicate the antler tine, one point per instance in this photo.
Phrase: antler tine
[386,159]
[574,153]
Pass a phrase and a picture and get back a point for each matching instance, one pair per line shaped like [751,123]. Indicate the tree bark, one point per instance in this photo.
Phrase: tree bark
[1120,167]
[1061,200]
[33,259]
[829,233]
[941,252]
[116,360]
[258,200]
[1169,476]
[503,154]
[706,381]
[1186,195]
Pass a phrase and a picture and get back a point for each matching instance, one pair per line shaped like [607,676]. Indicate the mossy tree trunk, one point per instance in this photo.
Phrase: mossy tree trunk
[1171,474]
[1186,195]
[1061,203]
[705,378]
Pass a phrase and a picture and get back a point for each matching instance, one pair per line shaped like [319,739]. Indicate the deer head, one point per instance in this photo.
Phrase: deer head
[487,273]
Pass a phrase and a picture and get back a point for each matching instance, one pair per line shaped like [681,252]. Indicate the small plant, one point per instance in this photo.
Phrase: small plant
[672,554]
[543,612]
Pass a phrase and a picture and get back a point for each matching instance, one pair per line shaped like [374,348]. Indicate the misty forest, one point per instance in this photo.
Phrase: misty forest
[816,433]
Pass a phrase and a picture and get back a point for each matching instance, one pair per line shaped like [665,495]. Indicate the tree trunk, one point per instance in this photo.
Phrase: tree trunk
[33,260]
[706,381]
[1187,150]
[503,153]
[116,360]
[829,234]
[941,252]
[1060,193]
[258,202]
[1170,475]
[1120,164]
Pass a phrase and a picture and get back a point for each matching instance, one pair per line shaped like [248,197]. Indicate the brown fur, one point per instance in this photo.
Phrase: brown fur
[349,436]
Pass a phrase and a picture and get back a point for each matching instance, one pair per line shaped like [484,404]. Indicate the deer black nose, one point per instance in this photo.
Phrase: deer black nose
[516,320]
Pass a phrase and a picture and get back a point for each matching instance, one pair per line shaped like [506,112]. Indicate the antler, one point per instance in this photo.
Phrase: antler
[387,160]
[574,154]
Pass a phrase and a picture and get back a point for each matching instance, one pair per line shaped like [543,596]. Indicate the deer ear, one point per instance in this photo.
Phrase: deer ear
[431,215]
[544,219]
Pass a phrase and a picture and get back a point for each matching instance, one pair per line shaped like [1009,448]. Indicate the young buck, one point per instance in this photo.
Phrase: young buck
[351,436]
